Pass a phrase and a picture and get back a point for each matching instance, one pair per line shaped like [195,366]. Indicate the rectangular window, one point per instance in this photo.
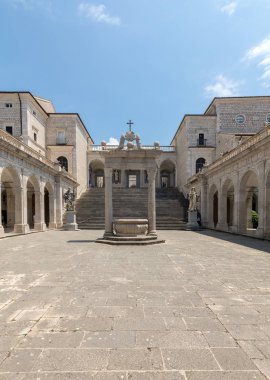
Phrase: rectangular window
[35,136]
[9,130]
[34,113]
[61,139]
[8,105]
[201,139]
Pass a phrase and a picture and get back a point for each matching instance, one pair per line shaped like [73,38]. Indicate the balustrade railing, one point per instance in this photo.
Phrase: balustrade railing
[98,148]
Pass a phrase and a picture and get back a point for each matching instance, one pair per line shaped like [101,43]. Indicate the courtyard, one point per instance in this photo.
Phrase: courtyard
[194,308]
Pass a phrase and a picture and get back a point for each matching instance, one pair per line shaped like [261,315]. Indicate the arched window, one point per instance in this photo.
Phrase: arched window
[63,162]
[199,164]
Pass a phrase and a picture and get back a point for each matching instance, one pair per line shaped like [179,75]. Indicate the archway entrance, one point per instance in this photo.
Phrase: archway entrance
[96,174]
[167,174]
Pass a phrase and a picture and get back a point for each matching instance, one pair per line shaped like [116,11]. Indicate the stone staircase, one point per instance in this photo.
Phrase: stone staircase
[170,207]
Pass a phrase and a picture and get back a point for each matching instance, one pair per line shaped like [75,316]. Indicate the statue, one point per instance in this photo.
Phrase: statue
[192,200]
[69,199]
[122,142]
[138,141]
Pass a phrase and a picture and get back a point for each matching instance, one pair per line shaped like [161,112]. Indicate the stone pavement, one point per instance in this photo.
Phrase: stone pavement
[195,308]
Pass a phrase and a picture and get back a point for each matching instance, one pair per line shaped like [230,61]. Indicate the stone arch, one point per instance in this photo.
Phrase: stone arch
[227,202]
[167,173]
[33,190]
[63,161]
[213,206]
[199,164]
[11,199]
[96,174]
[248,200]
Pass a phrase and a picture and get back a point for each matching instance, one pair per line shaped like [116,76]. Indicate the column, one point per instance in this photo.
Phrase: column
[1,226]
[108,202]
[152,202]
[222,208]
[52,196]
[204,201]
[59,203]
[261,201]
[39,214]
[21,226]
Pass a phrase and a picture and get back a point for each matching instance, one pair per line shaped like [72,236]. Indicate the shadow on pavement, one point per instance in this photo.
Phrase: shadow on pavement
[247,241]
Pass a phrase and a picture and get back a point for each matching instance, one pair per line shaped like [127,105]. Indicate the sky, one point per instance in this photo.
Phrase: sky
[151,61]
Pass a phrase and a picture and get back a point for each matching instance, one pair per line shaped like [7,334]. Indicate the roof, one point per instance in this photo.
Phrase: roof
[234,98]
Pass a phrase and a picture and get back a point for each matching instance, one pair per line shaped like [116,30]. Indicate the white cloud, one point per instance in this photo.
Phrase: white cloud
[113,141]
[98,13]
[229,8]
[261,53]
[223,87]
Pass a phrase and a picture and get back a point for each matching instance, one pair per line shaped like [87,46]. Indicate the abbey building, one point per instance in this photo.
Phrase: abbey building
[223,153]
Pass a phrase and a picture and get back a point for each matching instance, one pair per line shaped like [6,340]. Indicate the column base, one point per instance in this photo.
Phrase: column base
[53,225]
[21,228]
[107,234]
[222,227]
[2,231]
[152,233]
[40,227]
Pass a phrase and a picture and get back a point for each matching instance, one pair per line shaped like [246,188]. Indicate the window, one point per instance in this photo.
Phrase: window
[34,113]
[268,118]
[61,139]
[201,140]
[240,119]
[117,176]
[35,136]
[8,105]
[63,162]
[9,130]
[199,164]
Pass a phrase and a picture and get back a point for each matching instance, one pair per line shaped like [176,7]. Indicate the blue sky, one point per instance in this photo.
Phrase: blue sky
[151,61]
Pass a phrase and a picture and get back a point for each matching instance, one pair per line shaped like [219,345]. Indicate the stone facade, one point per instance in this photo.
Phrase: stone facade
[43,153]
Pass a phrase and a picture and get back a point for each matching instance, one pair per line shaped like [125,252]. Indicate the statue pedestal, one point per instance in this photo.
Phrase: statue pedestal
[70,224]
[192,221]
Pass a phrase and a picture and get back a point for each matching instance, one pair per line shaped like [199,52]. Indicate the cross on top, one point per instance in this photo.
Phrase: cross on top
[130,123]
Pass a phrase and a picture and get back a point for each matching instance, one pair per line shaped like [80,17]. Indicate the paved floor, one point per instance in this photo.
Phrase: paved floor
[195,308]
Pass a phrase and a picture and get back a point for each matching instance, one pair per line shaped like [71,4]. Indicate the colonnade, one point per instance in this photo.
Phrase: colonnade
[28,202]
[239,203]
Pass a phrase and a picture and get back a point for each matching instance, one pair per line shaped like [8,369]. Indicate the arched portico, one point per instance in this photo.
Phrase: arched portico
[96,174]
[167,173]
[49,206]
[13,201]
[248,202]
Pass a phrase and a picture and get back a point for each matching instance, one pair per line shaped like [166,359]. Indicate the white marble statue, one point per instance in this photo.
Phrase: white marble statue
[192,200]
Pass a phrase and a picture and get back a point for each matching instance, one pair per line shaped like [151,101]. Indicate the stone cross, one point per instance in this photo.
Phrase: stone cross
[130,123]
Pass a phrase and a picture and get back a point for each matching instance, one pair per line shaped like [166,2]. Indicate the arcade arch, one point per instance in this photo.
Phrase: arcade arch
[96,174]
[167,174]
[227,202]
[213,206]
[248,201]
